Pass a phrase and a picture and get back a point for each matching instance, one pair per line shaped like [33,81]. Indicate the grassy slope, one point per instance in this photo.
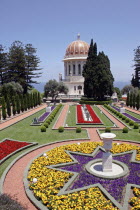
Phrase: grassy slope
[24,132]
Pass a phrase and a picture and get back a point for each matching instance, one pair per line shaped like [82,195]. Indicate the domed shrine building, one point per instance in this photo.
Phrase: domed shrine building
[74,60]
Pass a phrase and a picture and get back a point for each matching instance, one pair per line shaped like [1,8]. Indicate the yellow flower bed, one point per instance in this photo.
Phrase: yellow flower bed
[49,181]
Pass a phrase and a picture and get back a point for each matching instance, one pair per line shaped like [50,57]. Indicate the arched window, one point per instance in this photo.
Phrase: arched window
[79,69]
[73,69]
[69,69]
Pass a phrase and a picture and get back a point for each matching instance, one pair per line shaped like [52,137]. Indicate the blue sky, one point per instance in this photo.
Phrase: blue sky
[51,25]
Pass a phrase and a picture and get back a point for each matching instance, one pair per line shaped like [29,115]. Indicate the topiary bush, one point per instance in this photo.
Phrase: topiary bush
[78,130]
[127,120]
[107,130]
[46,125]
[61,129]
[125,130]
[43,128]
[123,117]
[48,121]
[131,123]
[120,115]
[136,126]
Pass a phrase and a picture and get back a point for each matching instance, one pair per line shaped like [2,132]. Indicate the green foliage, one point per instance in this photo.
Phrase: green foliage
[131,123]
[131,99]
[78,130]
[94,102]
[123,117]
[18,104]
[107,130]
[134,100]
[120,115]
[43,128]
[98,78]
[138,101]
[117,90]
[25,102]
[8,105]
[22,103]
[135,79]
[136,125]
[125,130]
[127,120]
[46,125]
[3,108]
[61,129]
[13,105]
[53,88]
[3,64]
[128,99]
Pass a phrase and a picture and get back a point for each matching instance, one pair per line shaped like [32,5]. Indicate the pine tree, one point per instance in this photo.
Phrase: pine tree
[32,66]
[138,101]
[3,108]
[136,77]
[3,65]
[8,107]
[18,104]
[128,99]
[13,105]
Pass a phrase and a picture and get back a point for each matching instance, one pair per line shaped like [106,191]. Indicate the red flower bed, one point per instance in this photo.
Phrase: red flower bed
[9,146]
[80,118]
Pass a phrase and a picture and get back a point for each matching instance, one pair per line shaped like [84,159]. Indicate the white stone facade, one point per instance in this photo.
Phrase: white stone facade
[74,60]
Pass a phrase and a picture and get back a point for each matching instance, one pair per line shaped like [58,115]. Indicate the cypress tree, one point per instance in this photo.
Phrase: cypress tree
[138,101]
[128,99]
[3,108]
[28,101]
[22,103]
[31,100]
[8,107]
[14,105]
[25,102]
[131,100]
[134,100]
[39,98]
[18,104]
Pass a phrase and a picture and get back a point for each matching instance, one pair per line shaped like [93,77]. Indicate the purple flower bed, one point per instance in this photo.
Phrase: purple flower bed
[45,115]
[115,187]
[127,115]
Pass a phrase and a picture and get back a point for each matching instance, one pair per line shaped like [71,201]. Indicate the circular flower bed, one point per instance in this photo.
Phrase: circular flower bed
[55,170]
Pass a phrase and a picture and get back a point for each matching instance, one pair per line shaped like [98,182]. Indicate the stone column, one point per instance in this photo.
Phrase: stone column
[107,155]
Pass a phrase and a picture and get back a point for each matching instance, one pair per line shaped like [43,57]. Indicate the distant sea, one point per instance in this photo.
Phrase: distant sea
[40,86]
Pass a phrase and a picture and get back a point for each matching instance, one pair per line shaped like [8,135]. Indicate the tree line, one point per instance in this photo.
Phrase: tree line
[136,76]
[98,77]
[19,103]
[133,100]
[19,64]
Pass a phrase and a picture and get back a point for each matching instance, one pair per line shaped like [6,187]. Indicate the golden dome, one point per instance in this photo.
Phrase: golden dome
[77,48]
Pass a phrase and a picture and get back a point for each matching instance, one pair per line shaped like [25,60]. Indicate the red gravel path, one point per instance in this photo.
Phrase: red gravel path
[61,119]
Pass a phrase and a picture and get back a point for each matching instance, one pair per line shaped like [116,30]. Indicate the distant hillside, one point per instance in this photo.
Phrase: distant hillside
[40,86]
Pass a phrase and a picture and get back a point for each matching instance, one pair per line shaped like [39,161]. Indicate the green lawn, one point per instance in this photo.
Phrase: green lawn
[133,114]
[133,135]
[24,132]
[71,118]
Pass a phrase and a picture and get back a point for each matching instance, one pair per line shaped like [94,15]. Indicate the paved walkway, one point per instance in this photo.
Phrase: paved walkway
[61,119]
[19,117]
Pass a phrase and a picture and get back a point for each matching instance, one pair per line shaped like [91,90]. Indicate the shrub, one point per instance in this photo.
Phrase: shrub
[107,130]
[131,123]
[127,120]
[43,128]
[136,126]
[61,129]
[46,125]
[48,121]
[125,130]
[78,130]
[123,117]
[120,115]
[6,202]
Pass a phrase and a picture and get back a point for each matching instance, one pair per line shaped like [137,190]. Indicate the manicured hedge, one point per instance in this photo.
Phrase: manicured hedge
[94,102]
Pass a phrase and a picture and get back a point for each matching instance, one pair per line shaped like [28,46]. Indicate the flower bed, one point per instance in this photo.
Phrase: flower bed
[43,117]
[80,118]
[127,115]
[9,146]
[52,179]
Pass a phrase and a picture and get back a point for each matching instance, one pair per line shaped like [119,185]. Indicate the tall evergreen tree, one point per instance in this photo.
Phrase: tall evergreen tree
[13,105]
[134,100]
[131,99]
[39,98]
[3,108]
[136,77]
[25,102]
[98,77]
[128,99]
[18,104]
[138,101]
[32,66]
[22,103]
[3,65]
[17,63]
[8,107]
